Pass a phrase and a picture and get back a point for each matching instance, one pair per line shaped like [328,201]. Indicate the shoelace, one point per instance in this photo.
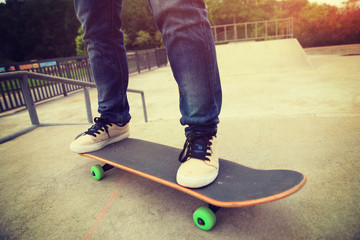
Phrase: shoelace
[196,146]
[101,124]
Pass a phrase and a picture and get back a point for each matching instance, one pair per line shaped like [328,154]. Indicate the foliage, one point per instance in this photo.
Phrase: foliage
[138,23]
[143,39]
[37,29]
[318,25]
[235,11]
[314,24]
[350,22]
[322,25]
[81,49]
[138,27]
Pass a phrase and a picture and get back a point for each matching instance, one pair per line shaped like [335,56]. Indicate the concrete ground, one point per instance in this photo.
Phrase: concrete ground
[291,112]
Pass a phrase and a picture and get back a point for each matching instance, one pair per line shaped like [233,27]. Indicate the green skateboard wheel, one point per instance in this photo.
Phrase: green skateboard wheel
[204,218]
[97,172]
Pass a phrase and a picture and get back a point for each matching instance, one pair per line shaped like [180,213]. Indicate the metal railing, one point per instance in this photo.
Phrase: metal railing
[26,94]
[146,59]
[250,31]
[71,68]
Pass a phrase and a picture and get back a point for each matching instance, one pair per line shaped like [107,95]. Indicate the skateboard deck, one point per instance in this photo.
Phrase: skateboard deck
[235,186]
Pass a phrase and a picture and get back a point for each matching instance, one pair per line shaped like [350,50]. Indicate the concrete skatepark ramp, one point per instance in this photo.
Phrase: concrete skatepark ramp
[275,115]
[263,57]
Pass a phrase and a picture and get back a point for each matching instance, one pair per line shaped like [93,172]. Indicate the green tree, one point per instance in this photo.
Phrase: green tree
[81,49]
[37,29]
[10,36]
[143,40]
[290,8]
[322,24]
[316,25]
[237,11]
[137,22]
[349,21]
[50,30]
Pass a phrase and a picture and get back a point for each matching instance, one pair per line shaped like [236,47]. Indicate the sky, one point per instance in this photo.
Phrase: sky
[331,2]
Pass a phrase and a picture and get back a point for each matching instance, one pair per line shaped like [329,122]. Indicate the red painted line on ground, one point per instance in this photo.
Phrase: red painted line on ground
[106,208]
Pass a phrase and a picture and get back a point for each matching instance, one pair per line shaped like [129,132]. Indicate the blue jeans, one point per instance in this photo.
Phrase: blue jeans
[190,46]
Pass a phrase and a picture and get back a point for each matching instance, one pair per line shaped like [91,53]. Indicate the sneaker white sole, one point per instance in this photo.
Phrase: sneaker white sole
[196,182]
[99,145]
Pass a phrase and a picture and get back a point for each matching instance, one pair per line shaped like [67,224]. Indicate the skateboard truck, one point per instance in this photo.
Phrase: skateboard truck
[214,208]
[107,167]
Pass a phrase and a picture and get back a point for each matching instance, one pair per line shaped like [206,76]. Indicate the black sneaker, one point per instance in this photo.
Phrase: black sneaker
[200,162]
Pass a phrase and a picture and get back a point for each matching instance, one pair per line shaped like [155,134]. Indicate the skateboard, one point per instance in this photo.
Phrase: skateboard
[235,186]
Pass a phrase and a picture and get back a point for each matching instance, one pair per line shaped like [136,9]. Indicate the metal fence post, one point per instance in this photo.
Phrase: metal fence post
[88,70]
[25,88]
[148,59]
[235,32]
[62,74]
[266,29]
[68,75]
[215,34]
[256,30]
[157,57]
[225,33]
[88,104]
[144,106]
[246,33]
[137,61]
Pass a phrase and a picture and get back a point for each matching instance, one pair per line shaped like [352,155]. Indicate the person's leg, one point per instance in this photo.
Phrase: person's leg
[190,46]
[100,21]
